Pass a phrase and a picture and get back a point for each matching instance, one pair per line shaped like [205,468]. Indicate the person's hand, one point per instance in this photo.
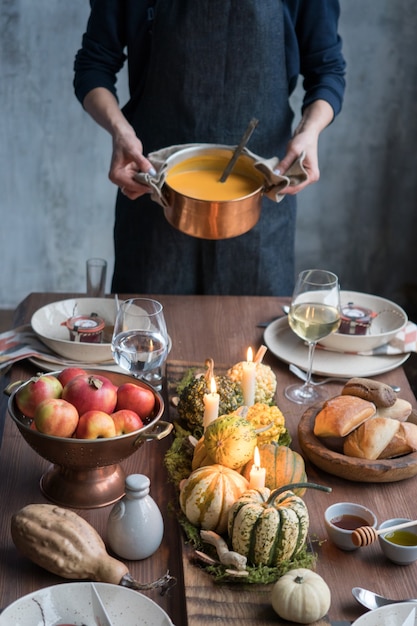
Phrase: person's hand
[127,159]
[306,138]
[303,142]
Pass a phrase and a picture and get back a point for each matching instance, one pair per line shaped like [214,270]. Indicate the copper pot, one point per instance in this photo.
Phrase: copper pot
[86,473]
[212,219]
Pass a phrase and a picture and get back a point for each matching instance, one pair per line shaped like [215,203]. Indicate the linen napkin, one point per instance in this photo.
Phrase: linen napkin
[22,343]
[274,183]
[403,342]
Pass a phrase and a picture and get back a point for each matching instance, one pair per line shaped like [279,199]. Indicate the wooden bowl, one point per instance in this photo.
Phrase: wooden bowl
[326,453]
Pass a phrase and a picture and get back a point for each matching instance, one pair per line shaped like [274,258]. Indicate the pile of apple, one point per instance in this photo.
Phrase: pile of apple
[86,406]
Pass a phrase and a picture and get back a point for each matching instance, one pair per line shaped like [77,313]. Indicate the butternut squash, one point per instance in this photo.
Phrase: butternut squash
[65,544]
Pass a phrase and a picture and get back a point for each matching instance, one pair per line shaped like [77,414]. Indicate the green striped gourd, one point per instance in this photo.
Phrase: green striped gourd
[269,528]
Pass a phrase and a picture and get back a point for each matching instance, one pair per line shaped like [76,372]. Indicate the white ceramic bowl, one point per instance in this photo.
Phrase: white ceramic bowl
[401,555]
[47,324]
[71,603]
[391,615]
[341,537]
[390,319]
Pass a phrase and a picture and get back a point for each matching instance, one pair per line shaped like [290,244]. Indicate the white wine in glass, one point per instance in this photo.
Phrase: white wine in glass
[314,314]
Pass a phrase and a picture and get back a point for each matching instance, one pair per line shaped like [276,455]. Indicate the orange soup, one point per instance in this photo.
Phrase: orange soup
[203,183]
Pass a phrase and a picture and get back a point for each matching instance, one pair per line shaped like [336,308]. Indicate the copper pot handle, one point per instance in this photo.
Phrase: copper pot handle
[156,434]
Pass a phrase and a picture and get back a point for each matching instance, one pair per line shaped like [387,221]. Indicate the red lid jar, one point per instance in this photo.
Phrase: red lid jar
[355,320]
[85,328]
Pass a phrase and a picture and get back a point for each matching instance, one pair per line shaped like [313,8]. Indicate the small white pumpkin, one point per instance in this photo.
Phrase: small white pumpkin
[301,596]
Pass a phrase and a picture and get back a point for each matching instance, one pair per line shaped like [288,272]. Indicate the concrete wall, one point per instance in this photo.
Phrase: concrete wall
[56,203]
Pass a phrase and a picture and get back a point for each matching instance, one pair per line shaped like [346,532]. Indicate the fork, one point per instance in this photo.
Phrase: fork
[303,375]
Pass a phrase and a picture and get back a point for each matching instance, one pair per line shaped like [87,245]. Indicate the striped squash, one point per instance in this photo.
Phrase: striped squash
[207,495]
[266,527]
[283,466]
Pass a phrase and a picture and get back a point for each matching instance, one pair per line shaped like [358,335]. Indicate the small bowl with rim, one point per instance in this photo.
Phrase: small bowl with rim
[400,546]
[342,518]
[388,318]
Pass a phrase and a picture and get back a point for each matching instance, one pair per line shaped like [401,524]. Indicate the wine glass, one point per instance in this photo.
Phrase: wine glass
[314,314]
[140,339]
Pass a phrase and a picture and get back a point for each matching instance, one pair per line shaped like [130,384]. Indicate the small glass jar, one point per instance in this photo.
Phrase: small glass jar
[85,328]
[355,320]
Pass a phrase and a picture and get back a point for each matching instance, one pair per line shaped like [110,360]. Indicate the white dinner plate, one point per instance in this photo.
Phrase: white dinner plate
[285,345]
[72,603]
[52,365]
[390,615]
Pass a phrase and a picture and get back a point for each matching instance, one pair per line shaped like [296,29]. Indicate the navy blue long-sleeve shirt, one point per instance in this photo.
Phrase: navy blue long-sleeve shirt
[118,30]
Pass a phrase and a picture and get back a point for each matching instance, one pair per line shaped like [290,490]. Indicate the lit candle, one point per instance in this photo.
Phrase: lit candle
[249,379]
[211,404]
[257,473]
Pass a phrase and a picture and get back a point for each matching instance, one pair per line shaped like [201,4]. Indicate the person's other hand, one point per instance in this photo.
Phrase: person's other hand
[303,142]
[128,159]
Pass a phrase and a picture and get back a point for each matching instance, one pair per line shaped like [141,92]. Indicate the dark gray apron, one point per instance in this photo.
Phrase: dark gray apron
[214,65]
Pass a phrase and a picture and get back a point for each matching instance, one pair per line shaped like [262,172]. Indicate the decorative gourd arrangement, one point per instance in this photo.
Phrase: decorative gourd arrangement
[239,532]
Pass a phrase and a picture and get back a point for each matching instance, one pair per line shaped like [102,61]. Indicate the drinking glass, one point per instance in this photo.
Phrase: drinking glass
[140,339]
[314,314]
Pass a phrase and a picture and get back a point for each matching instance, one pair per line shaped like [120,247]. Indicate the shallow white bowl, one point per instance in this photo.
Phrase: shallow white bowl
[47,324]
[391,615]
[390,319]
[71,603]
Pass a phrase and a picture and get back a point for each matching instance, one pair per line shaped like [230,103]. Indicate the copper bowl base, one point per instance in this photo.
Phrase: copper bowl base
[83,489]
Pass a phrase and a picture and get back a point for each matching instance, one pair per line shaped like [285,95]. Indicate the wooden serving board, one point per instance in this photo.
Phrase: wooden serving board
[327,455]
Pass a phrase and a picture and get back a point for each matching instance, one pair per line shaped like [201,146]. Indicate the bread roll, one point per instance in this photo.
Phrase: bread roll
[342,414]
[371,438]
[372,390]
[403,442]
[400,410]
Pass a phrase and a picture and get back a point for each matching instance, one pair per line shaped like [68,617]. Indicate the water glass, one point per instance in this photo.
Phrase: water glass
[96,277]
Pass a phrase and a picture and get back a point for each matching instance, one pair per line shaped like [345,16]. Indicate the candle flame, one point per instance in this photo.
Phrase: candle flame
[213,387]
[249,357]
[257,458]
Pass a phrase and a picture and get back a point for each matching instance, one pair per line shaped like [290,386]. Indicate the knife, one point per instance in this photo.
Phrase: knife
[100,614]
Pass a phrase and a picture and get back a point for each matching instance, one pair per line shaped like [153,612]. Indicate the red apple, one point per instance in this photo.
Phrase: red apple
[135,398]
[95,425]
[37,389]
[68,373]
[126,421]
[91,392]
[56,417]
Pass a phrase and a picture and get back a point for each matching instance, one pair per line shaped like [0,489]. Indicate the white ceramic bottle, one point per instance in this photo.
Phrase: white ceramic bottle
[135,526]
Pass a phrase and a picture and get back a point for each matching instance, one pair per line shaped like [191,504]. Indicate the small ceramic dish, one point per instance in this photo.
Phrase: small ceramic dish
[387,615]
[400,546]
[342,518]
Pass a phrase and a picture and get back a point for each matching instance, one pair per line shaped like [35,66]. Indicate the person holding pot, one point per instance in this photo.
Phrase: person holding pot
[198,71]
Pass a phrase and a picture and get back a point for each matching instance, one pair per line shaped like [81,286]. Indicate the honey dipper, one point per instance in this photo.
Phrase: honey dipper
[365,535]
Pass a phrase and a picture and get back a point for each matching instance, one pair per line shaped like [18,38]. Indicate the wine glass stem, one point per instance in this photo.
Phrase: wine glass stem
[311,349]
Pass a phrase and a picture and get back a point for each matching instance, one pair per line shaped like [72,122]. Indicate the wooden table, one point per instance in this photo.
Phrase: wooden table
[222,328]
